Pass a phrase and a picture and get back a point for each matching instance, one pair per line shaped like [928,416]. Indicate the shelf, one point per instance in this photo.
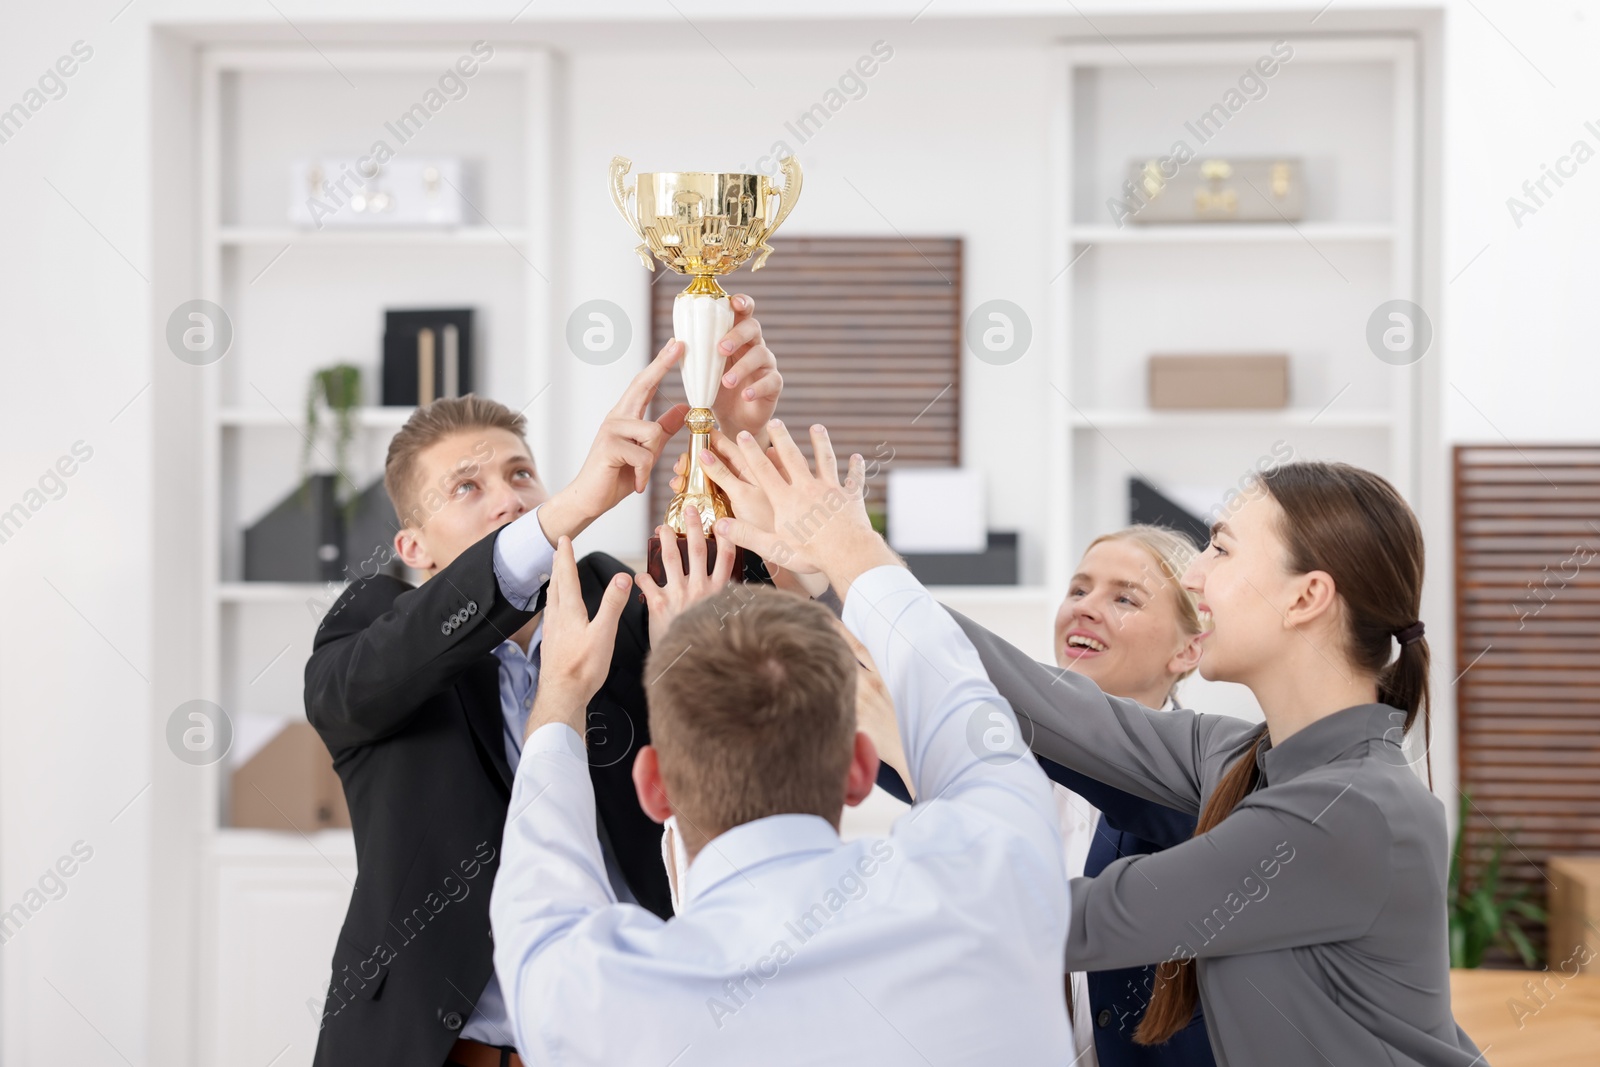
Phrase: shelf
[247,236]
[1297,418]
[366,418]
[277,592]
[1007,594]
[315,847]
[1235,233]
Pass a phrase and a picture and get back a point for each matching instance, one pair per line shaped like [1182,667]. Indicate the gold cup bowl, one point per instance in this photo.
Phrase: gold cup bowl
[703,225]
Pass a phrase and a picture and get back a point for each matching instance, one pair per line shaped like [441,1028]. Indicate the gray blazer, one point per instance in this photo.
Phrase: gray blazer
[1316,910]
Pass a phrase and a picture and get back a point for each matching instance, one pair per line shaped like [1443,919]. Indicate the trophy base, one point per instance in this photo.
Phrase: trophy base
[657,569]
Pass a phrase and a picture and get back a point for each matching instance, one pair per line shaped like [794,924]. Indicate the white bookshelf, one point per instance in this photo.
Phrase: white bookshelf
[1347,107]
[300,300]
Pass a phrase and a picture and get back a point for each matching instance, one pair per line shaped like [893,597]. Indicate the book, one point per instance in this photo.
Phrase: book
[427,354]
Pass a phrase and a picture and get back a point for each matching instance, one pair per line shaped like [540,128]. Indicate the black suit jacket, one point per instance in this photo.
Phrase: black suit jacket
[403,686]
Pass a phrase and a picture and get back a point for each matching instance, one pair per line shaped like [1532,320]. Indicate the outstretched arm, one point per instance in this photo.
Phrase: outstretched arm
[552,873]
[1306,864]
[1164,756]
[1144,819]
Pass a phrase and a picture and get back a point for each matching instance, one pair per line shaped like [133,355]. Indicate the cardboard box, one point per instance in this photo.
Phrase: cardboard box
[290,784]
[1186,383]
[1574,907]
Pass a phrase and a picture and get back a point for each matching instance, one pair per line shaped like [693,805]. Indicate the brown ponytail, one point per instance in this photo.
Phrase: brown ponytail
[1176,988]
[1354,525]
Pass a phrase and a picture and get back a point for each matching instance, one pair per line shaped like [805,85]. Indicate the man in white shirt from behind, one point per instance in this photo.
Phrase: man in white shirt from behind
[939,944]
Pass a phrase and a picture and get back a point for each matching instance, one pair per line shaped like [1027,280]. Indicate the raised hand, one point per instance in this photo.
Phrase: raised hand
[817,523]
[748,394]
[624,452]
[747,499]
[682,590]
[575,652]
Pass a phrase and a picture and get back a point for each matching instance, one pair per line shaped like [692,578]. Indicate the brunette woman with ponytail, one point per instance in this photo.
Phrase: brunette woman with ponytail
[1307,914]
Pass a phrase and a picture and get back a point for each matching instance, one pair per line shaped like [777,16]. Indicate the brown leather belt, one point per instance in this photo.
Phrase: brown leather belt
[469,1053]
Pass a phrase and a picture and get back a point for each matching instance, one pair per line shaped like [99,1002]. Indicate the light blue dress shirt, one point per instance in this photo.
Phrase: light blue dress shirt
[939,944]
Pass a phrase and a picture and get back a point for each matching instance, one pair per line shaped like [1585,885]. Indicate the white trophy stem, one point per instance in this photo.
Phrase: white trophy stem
[700,320]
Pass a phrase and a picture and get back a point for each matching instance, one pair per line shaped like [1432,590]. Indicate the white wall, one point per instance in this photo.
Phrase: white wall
[1519,335]
[76,648]
[81,711]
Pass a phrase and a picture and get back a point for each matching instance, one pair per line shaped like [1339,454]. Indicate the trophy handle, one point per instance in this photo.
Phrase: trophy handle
[786,201]
[620,196]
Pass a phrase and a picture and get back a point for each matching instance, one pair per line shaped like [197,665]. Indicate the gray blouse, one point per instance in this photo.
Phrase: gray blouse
[1316,910]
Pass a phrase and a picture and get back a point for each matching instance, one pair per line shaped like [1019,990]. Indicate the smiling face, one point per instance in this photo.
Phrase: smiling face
[1120,624]
[466,485]
[1244,581]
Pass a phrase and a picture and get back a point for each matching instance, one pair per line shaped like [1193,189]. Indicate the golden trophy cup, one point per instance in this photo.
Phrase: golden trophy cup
[702,225]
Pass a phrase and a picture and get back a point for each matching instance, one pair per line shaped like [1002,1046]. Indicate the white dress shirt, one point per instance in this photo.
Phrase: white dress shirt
[941,943]
[1079,822]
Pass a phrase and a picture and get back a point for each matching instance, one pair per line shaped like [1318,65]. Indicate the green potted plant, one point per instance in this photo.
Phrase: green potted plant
[337,390]
[1485,915]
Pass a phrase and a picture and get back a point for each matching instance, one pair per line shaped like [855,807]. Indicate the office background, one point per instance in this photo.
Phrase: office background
[157,174]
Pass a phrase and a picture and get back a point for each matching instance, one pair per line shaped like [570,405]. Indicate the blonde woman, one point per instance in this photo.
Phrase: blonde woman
[1127,624]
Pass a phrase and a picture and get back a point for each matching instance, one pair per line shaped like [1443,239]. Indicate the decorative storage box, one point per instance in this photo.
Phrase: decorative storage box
[1574,929]
[1220,190]
[402,192]
[1219,381]
[290,784]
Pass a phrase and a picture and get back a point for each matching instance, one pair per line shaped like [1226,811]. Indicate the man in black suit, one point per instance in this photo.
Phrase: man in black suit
[421,694]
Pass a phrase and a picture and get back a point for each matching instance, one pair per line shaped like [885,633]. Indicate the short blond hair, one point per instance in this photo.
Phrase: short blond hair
[752,699]
[427,426]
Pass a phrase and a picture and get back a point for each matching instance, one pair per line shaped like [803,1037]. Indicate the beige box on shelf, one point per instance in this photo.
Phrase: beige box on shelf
[290,784]
[1574,905]
[1182,383]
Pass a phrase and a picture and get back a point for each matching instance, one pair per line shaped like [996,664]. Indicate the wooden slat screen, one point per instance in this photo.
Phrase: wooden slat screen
[1527,549]
[867,331]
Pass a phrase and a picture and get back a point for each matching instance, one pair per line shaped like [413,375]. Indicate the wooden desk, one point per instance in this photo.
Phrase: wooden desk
[1565,1032]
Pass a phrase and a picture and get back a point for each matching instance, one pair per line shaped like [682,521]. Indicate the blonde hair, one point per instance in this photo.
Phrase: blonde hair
[1172,554]
[430,424]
